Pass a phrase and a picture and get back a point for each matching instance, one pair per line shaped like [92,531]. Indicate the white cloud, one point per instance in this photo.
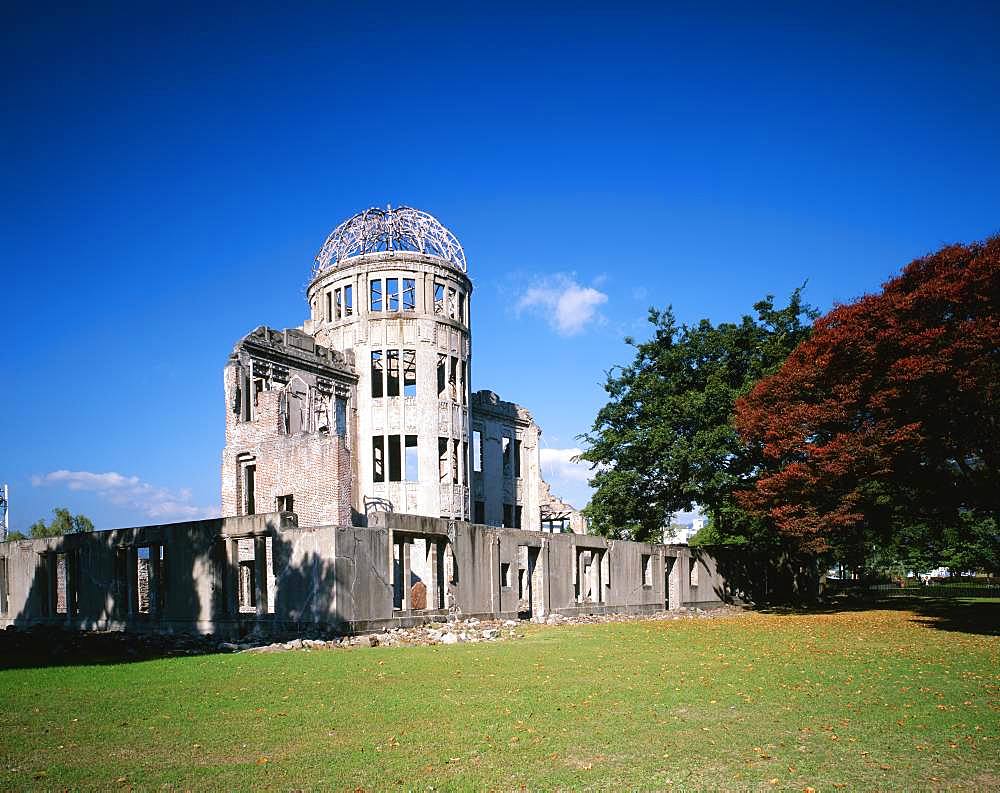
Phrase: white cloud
[151,501]
[566,305]
[558,465]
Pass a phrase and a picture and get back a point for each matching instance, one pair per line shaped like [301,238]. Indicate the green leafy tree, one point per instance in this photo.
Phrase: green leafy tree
[15,535]
[665,440]
[62,523]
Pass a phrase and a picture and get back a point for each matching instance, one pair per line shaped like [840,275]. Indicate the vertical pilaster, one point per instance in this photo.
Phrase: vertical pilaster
[132,577]
[404,558]
[260,573]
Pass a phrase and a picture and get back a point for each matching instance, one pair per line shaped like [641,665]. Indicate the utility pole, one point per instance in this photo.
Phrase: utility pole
[4,512]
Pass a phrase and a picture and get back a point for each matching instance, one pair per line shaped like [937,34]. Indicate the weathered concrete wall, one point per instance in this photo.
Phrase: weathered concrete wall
[263,574]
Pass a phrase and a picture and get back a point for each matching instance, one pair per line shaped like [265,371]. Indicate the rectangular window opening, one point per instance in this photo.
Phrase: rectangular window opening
[246,405]
[249,489]
[340,410]
[378,458]
[647,570]
[286,503]
[479,516]
[376,294]
[517,517]
[62,595]
[508,516]
[392,373]
[409,373]
[338,305]
[329,307]
[438,298]
[452,379]
[477,451]
[454,462]
[517,459]
[505,445]
[348,300]
[412,461]
[395,460]
[443,468]
[377,383]
[409,294]
[392,294]
[505,580]
[452,303]
[442,375]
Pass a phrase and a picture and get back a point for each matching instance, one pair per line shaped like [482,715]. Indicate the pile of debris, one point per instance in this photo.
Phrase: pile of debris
[472,630]
[452,632]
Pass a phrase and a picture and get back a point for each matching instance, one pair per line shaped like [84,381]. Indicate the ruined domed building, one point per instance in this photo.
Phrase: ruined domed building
[364,485]
[367,407]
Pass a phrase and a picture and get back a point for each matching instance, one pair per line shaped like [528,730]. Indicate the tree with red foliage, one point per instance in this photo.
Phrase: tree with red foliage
[888,416]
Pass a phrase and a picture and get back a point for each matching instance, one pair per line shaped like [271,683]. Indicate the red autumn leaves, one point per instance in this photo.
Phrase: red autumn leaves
[889,411]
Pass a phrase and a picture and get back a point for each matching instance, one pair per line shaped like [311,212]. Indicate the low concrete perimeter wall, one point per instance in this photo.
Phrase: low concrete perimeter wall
[262,574]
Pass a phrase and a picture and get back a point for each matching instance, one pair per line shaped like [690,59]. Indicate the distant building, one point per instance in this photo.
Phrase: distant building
[681,533]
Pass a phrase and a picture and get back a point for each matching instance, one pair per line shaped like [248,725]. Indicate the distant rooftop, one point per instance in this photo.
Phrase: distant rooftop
[400,229]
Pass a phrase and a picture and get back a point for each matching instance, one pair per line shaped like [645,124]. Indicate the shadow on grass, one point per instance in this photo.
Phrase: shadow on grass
[37,647]
[962,615]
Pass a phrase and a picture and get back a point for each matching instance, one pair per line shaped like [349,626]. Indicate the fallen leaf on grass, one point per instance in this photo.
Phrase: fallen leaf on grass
[261,761]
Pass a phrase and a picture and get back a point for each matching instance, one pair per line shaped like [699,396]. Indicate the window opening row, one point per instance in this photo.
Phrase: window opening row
[403,460]
[340,303]
[386,370]
[451,377]
[452,468]
[449,302]
[391,299]
[511,451]
[400,294]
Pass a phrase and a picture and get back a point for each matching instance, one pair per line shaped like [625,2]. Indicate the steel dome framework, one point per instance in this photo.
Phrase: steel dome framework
[391,229]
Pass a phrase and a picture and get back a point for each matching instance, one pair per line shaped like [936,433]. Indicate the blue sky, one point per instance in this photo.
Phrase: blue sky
[171,171]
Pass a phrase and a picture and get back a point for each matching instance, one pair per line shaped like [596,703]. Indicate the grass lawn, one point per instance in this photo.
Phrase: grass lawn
[856,699]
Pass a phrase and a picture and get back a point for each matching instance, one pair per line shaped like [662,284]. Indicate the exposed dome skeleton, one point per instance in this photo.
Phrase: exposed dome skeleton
[399,229]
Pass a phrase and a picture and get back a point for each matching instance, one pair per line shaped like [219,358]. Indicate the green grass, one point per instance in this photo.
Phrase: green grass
[862,699]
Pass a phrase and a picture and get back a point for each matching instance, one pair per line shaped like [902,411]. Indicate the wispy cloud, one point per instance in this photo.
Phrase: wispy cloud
[557,464]
[565,304]
[152,501]
[568,479]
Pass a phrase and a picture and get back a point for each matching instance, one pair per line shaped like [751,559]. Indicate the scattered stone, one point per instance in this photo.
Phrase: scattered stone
[450,638]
